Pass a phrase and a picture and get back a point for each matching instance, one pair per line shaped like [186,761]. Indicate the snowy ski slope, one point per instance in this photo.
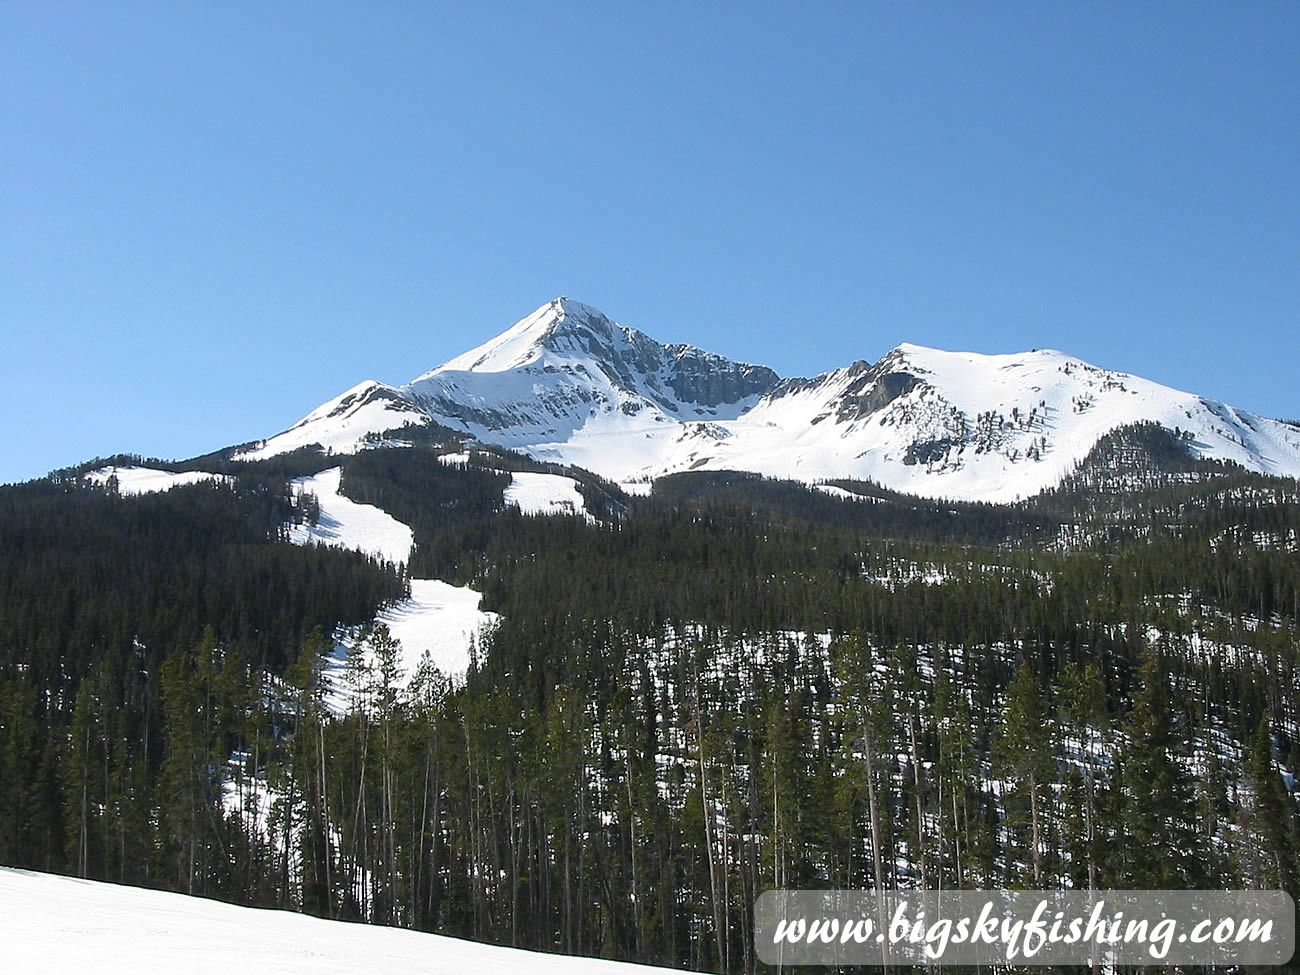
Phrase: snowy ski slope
[60,925]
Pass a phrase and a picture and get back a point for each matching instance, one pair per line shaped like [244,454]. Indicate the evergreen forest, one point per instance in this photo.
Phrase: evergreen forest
[729,685]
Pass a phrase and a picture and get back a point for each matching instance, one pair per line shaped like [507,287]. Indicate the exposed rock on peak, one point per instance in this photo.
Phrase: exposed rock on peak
[569,384]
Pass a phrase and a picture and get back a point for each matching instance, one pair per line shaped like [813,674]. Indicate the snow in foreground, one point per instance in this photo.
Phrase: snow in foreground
[57,924]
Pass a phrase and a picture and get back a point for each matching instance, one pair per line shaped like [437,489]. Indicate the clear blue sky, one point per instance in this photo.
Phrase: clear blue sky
[215,216]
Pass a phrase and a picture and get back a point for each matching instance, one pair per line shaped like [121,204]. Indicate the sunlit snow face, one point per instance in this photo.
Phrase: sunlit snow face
[568,385]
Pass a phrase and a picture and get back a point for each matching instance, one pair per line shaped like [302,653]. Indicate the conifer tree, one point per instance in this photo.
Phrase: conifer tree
[1273,822]
[78,775]
[1158,800]
[1024,754]
[1083,711]
[306,681]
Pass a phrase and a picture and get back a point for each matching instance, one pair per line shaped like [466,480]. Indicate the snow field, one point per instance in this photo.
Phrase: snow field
[546,494]
[839,492]
[994,428]
[439,619]
[346,524]
[146,480]
[341,424]
[58,924]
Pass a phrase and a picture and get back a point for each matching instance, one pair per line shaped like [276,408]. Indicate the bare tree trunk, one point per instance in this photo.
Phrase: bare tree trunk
[631,816]
[288,840]
[1033,813]
[359,826]
[916,788]
[708,841]
[873,813]
[325,821]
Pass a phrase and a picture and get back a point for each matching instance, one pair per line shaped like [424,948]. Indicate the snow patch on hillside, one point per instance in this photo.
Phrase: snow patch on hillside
[249,797]
[839,492]
[439,619]
[58,924]
[545,494]
[346,524]
[146,480]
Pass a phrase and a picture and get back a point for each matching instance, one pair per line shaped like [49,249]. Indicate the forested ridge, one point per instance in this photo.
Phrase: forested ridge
[730,685]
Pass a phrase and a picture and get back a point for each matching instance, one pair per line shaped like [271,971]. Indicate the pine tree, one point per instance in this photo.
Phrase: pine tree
[1083,711]
[1158,799]
[187,784]
[78,778]
[384,650]
[1273,823]
[307,683]
[1024,756]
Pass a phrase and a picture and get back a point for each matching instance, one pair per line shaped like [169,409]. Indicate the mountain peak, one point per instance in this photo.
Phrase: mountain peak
[566,383]
[525,341]
[572,309]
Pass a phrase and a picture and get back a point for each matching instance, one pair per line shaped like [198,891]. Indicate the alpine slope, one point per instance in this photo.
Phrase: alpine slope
[567,384]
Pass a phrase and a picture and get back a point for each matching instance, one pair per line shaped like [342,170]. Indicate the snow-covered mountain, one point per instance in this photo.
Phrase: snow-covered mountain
[567,384]
[563,374]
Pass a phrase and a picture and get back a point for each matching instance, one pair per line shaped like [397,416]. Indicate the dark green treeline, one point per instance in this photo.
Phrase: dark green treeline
[726,688]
